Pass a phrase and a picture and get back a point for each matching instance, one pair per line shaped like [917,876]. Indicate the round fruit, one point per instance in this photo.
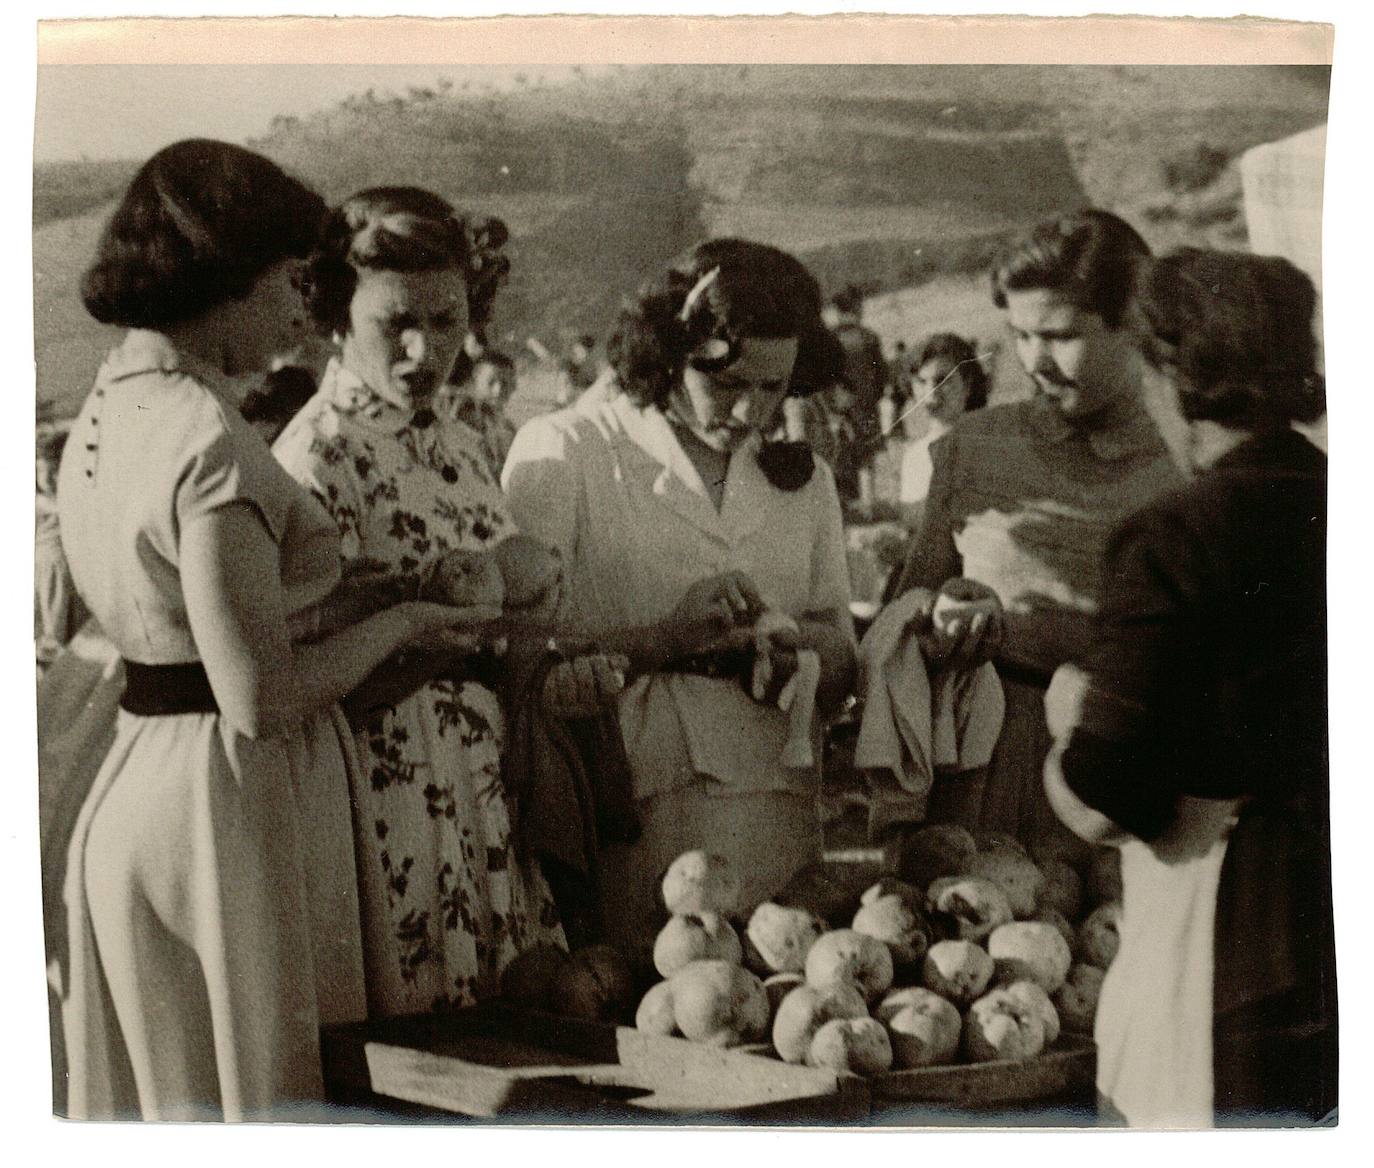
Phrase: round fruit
[850,958]
[958,970]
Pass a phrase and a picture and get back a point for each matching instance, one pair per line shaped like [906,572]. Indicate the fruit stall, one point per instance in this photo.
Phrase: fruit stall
[949,979]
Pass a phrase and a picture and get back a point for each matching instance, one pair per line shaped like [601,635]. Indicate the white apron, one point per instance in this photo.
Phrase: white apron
[1154,1018]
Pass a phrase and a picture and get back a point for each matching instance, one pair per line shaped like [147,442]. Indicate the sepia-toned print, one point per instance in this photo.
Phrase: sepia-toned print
[620,593]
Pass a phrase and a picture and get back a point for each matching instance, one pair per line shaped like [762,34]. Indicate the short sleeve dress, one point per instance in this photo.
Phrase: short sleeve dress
[211,898]
[446,900]
[611,488]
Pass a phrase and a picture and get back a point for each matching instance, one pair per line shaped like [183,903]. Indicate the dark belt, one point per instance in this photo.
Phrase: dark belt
[153,691]
[729,665]
[1018,674]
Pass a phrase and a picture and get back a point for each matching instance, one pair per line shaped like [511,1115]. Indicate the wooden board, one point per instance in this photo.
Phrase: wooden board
[1070,1063]
[498,1062]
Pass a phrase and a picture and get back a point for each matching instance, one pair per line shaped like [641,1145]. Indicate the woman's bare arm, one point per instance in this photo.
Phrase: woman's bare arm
[231,577]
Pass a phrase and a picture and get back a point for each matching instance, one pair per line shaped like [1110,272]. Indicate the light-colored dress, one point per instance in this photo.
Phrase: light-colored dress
[211,898]
[446,900]
[612,489]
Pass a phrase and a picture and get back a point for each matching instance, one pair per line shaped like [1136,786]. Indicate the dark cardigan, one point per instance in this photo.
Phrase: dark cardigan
[1210,679]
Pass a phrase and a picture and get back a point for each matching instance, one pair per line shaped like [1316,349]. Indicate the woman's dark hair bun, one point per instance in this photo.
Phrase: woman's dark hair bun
[1237,333]
[403,229]
[198,225]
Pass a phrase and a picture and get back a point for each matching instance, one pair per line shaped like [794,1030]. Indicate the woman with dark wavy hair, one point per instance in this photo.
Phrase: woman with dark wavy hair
[680,521]
[398,278]
[1195,739]
[210,890]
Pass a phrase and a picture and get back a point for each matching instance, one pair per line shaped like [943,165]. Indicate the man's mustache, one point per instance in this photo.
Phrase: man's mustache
[1054,377]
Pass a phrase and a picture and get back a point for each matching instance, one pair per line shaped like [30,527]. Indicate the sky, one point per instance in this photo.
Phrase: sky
[123,111]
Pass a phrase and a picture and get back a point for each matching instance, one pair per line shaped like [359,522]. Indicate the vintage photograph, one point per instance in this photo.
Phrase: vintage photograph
[739,594]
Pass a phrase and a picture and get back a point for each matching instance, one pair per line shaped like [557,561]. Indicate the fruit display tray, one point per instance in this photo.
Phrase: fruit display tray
[499,1063]
[1068,1065]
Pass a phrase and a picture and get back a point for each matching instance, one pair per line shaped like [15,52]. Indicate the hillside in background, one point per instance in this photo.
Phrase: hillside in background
[904,179]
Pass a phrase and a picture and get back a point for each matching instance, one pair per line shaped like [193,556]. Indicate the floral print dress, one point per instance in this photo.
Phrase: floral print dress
[446,901]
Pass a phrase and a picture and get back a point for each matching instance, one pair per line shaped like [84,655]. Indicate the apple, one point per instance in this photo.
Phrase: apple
[895,922]
[595,984]
[695,938]
[857,1045]
[656,1014]
[1062,890]
[719,1003]
[700,882]
[1030,951]
[999,1025]
[1014,873]
[782,936]
[848,957]
[1099,936]
[1032,995]
[805,1010]
[969,907]
[529,978]
[1076,1001]
[958,970]
[924,1027]
[934,851]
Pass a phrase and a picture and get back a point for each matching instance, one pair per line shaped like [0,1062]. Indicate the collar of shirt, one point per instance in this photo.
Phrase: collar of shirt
[146,351]
[349,394]
[1129,430]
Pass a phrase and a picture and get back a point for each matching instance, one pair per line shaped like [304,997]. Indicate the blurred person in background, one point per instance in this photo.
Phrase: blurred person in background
[947,380]
[580,368]
[57,608]
[865,378]
[480,402]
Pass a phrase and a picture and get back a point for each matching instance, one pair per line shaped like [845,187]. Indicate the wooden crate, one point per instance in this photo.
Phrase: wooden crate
[499,1063]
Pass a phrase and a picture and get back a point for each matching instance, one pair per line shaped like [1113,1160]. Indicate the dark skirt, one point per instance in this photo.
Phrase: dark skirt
[1275,1017]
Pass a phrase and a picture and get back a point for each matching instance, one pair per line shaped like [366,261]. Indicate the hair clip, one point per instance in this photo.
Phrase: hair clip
[689,306]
